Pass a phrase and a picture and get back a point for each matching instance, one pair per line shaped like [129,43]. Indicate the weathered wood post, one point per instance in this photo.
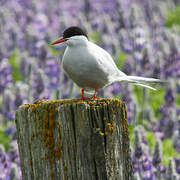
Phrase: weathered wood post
[74,140]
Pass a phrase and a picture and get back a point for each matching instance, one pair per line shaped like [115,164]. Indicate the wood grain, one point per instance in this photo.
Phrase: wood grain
[74,140]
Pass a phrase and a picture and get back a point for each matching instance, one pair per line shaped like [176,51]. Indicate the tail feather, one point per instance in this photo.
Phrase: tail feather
[135,80]
[141,81]
[144,80]
[145,85]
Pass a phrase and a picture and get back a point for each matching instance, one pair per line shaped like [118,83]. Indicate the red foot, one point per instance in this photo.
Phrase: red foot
[82,96]
[93,97]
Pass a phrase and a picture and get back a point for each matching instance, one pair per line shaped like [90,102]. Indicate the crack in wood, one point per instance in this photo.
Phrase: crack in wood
[95,168]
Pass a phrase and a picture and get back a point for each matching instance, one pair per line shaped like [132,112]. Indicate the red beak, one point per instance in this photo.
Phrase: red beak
[60,40]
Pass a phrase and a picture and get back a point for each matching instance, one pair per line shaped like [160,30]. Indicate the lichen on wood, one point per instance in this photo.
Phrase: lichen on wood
[74,140]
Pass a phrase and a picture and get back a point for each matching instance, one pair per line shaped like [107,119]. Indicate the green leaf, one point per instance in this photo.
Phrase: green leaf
[121,58]
[150,136]
[14,62]
[173,17]
[131,134]
[156,99]
[94,36]
[54,51]
[168,151]
[138,93]
[178,99]
[4,139]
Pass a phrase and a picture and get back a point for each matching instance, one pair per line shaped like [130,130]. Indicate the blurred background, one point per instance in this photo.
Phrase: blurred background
[144,39]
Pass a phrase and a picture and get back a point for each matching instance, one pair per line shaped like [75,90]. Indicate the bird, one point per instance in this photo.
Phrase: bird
[90,66]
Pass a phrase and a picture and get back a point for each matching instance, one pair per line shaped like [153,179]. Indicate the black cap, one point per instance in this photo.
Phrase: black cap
[74,31]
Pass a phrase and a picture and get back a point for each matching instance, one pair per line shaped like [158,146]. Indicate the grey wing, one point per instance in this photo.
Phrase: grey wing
[105,61]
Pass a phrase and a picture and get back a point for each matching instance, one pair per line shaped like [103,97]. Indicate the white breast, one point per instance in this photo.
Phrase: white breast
[82,67]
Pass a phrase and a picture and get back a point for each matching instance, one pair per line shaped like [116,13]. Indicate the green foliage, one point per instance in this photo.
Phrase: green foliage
[138,93]
[14,62]
[120,59]
[178,99]
[173,17]
[150,136]
[131,134]
[55,52]
[168,151]
[4,139]
[156,99]
[94,36]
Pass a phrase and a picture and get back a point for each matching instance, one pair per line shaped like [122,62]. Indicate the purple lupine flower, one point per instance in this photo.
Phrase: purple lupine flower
[167,123]
[116,88]
[134,15]
[178,87]
[4,163]
[172,66]
[176,136]
[171,171]
[126,44]
[7,109]
[127,97]
[137,56]
[169,130]
[157,155]
[142,163]
[169,111]
[156,71]
[10,163]
[128,66]
[5,75]
[21,94]
[176,140]
[42,50]
[52,71]
[45,95]
[177,162]
[38,84]
[169,96]
[40,24]
[159,170]
[148,175]
[145,62]
[18,99]
[22,68]
[25,68]
[12,153]
[10,130]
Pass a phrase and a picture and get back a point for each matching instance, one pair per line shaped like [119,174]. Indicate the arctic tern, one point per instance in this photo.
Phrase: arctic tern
[90,66]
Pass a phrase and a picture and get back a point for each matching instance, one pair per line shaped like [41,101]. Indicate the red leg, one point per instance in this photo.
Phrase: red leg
[82,96]
[94,96]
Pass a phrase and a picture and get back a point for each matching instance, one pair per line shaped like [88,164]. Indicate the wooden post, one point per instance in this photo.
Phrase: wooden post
[74,140]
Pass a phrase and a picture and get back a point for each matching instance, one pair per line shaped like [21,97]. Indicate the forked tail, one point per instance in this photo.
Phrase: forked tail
[140,81]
